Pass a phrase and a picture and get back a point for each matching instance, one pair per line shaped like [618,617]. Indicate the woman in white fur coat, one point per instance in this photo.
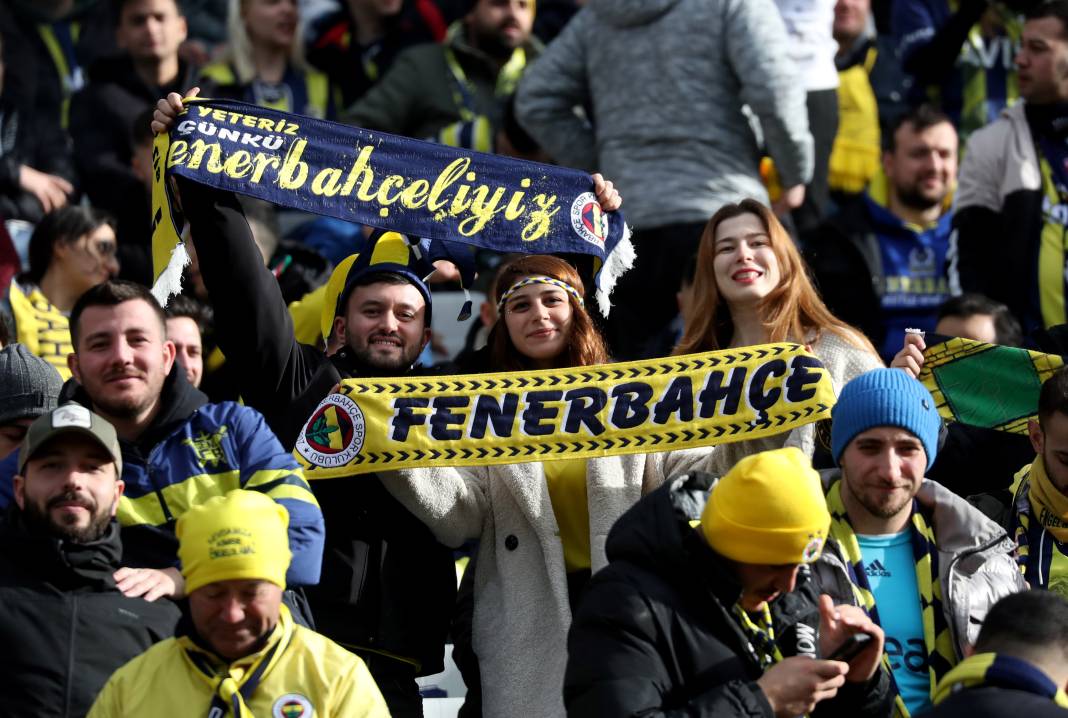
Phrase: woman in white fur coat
[541,526]
[752,287]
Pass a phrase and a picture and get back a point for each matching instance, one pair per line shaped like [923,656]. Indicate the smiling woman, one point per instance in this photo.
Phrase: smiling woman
[752,287]
[542,527]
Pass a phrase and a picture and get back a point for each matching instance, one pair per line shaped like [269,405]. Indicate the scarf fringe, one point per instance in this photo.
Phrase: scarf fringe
[169,281]
[616,264]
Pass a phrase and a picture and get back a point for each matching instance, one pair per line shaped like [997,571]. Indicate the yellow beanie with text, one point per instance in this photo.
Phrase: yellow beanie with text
[241,535]
[768,509]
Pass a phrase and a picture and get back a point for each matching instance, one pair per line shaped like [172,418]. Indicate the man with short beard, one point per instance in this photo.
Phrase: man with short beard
[177,449]
[924,563]
[881,260]
[388,586]
[455,92]
[65,623]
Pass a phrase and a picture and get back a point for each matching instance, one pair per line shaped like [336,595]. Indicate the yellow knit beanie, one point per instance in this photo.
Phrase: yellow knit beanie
[241,535]
[768,509]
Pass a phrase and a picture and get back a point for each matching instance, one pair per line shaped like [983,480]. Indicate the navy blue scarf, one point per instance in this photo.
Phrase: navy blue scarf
[417,188]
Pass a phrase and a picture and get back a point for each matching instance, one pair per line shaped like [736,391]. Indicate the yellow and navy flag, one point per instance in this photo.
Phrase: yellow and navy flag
[416,188]
[582,412]
[985,385]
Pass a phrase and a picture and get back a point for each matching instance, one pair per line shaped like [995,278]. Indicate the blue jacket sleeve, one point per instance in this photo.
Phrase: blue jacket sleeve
[268,468]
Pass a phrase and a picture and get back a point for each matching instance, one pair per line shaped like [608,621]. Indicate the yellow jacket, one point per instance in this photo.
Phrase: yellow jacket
[308,676]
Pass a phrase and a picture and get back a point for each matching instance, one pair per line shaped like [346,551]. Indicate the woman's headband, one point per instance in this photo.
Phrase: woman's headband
[539,279]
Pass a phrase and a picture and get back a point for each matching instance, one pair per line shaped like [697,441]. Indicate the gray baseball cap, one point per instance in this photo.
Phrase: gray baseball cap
[29,386]
[70,419]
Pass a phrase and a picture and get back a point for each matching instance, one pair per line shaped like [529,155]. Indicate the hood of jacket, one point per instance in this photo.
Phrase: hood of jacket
[178,400]
[628,13]
[65,564]
[655,534]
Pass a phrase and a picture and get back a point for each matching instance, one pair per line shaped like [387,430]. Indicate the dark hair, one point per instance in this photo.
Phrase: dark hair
[110,294]
[62,226]
[369,278]
[1006,327]
[1055,8]
[919,118]
[1053,396]
[1026,625]
[184,306]
[118,7]
[585,346]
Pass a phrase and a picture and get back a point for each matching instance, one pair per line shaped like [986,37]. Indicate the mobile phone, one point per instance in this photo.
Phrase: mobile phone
[851,647]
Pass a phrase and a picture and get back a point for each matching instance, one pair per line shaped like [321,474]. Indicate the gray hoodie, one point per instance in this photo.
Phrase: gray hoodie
[664,82]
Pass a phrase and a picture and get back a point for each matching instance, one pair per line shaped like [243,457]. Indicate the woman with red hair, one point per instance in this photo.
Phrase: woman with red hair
[542,526]
[752,287]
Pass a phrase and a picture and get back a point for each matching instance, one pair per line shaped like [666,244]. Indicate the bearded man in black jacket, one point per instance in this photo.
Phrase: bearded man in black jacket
[64,624]
[722,620]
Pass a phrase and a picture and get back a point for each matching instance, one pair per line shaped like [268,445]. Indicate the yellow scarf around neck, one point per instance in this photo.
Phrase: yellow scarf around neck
[1048,505]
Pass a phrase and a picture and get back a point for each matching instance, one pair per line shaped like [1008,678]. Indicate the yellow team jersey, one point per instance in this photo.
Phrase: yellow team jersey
[567,492]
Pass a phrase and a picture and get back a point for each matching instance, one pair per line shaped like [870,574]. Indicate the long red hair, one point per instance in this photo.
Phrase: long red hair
[585,346]
[793,311]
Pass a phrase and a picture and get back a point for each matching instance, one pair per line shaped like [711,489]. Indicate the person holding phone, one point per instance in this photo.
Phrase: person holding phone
[723,619]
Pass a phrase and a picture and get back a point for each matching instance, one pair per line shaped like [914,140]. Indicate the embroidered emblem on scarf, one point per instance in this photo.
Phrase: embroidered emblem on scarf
[581,412]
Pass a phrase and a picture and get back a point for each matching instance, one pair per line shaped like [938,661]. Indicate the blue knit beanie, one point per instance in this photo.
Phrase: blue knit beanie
[885,397]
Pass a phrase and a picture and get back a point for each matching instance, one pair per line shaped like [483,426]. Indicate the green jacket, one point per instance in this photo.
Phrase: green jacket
[423,96]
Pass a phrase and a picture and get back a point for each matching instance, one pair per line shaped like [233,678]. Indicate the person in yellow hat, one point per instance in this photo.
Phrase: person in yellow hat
[244,655]
[723,618]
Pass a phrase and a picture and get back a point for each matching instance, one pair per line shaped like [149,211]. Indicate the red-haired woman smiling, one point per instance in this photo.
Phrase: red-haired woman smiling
[542,526]
[752,287]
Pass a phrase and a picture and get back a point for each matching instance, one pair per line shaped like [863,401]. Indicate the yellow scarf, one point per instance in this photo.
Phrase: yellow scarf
[235,682]
[991,669]
[1048,505]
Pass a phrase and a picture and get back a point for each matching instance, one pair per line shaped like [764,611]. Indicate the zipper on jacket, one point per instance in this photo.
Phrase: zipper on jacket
[70,655]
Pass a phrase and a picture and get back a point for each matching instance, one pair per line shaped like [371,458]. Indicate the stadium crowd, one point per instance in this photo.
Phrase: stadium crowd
[862,178]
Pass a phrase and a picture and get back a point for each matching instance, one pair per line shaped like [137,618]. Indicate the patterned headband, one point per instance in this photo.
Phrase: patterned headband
[539,279]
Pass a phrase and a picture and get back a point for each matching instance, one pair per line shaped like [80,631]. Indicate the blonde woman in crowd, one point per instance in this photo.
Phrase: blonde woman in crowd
[264,62]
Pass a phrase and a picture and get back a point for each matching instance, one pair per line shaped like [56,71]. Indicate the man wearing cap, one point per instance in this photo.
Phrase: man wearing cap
[923,562]
[64,624]
[243,655]
[178,450]
[722,619]
[29,387]
[388,586]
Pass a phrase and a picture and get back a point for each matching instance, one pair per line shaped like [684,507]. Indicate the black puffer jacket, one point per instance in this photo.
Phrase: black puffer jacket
[64,627]
[654,635]
[386,584]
